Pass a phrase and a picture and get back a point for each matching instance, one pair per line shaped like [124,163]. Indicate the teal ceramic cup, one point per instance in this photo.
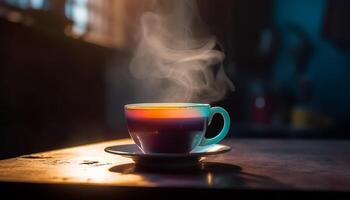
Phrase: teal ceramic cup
[173,127]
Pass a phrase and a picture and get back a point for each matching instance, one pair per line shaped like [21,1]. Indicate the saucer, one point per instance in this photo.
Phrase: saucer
[167,160]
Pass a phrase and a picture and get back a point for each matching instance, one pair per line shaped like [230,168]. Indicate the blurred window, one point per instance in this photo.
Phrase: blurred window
[77,11]
[110,23]
[25,4]
[37,4]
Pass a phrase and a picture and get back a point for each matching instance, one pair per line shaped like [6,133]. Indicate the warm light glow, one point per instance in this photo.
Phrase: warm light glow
[210,178]
[91,164]
[99,174]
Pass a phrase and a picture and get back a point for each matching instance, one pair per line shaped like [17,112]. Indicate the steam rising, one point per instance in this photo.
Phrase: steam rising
[176,59]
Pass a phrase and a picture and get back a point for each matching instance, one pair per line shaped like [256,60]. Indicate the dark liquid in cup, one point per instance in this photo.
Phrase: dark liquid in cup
[169,135]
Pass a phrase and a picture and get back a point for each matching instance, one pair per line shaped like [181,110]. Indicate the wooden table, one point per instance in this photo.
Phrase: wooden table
[264,165]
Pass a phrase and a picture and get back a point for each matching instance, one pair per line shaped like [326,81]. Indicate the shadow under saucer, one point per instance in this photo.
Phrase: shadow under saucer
[211,174]
[200,167]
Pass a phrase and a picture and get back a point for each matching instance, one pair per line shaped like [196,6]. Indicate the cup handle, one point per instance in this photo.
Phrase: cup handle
[225,129]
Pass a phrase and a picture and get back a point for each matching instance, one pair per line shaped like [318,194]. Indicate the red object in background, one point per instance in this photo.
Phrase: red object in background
[261,109]
[260,103]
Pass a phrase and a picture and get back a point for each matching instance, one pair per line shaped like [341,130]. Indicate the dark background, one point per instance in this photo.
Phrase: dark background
[289,61]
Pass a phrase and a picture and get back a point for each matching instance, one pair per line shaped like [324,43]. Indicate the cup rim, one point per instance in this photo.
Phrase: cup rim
[164,105]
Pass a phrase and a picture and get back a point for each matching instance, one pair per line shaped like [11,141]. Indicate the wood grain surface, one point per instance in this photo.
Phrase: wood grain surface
[303,165]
